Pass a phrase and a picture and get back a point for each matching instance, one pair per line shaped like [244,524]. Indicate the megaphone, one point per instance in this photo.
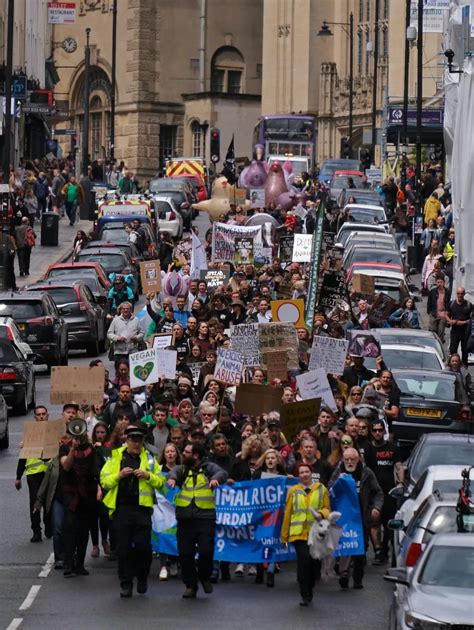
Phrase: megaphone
[77,427]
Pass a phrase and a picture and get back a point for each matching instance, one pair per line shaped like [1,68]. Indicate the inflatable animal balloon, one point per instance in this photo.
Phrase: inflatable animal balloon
[219,203]
[275,184]
[253,176]
[287,200]
[287,167]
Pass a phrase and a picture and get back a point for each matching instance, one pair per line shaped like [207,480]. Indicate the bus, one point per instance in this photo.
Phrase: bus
[288,135]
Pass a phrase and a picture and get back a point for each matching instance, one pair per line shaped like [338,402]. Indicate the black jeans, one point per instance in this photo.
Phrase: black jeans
[100,520]
[76,537]
[308,570]
[459,335]
[196,535]
[34,482]
[132,526]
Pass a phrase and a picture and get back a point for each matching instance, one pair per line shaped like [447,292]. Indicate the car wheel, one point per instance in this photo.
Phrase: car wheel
[5,441]
[21,407]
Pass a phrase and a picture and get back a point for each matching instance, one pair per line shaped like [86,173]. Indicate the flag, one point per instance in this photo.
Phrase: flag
[229,164]
[198,257]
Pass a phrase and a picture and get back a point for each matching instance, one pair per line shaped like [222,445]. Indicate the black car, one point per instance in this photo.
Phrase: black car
[114,261]
[40,324]
[17,378]
[431,401]
[4,434]
[84,316]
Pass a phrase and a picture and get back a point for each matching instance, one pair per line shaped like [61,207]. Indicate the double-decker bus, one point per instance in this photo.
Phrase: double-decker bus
[288,135]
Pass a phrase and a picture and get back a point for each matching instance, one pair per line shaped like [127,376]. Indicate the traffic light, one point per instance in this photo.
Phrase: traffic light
[346,152]
[365,159]
[215,145]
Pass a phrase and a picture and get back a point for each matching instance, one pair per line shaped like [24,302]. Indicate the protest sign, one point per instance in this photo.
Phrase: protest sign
[274,337]
[214,277]
[315,384]
[166,362]
[244,339]
[253,400]
[363,284]
[195,370]
[381,308]
[257,198]
[262,256]
[344,499]
[82,385]
[150,275]
[238,196]
[249,515]
[162,340]
[291,311]
[299,415]
[229,366]
[143,368]
[244,251]
[327,241]
[223,239]
[333,289]
[333,258]
[302,247]
[363,343]
[41,439]
[286,248]
[277,366]
[328,353]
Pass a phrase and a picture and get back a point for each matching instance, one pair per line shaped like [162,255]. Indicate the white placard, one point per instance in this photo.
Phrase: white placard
[328,353]
[166,361]
[244,339]
[302,247]
[315,384]
[143,368]
[229,366]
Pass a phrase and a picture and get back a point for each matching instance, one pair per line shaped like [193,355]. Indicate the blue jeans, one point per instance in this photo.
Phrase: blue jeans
[401,240]
[57,520]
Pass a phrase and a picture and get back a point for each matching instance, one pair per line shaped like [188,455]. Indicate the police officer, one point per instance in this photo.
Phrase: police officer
[130,477]
[196,516]
[34,470]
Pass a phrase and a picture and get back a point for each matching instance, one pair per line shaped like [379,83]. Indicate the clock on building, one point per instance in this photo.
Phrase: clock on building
[69,44]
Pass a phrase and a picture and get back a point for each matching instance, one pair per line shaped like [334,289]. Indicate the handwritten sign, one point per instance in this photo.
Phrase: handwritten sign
[381,308]
[302,247]
[150,275]
[315,384]
[275,337]
[362,283]
[244,339]
[143,368]
[166,361]
[253,400]
[162,340]
[299,415]
[82,385]
[41,439]
[328,353]
[229,366]
[333,289]
[214,277]
[277,366]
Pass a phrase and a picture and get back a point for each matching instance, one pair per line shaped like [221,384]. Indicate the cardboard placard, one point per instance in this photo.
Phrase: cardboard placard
[82,385]
[381,308]
[253,400]
[214,277]
[315,384]
[362,283]
[150,275]
[238,196]
[286,248]
[363,343]
[244,251]
[328,353]
[290,311]
[257,198]
[333,289]
[302,248]
[229,366]
[41,439]
[162,340]
[299,415]
[276,337]
[277,366]
[244,339]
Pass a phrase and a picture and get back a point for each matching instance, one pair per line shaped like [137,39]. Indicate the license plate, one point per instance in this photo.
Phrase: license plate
[424,413]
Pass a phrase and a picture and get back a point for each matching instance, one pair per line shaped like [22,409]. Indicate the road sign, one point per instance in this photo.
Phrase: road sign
[64,132]
[19,87]
[36,108]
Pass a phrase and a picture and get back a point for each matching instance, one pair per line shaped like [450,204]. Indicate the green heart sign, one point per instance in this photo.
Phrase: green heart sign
[142,372]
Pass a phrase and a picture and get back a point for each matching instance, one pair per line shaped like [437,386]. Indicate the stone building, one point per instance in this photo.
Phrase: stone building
[183,66]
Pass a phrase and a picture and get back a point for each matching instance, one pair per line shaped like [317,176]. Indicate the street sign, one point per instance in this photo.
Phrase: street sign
[19,88]
[64,132]
[429,117]
[62,12]
[36,108]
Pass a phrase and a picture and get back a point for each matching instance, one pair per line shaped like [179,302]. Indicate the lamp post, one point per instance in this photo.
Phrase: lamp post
[85,127]
[419,94]
[375,77]
[114,70]
[7,133]
[326,32]
[409,39]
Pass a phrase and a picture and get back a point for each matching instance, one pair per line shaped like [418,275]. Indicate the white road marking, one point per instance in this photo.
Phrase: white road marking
[30,598]
[47,566]
[15,623]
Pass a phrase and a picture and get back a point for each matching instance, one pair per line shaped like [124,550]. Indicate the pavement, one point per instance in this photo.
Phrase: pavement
[42,256]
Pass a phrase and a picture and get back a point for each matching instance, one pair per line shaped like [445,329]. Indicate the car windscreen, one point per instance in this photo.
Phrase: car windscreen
[448,566]
[163,206]
[62,295]
[457,453]
[164,184]
[429,386]
[360,215]
[430,342]
[71,271]
[346,181]
[376,255]
[110,262]
[395,359]
[113,235]
[7,352]
[21,310]
[328,168]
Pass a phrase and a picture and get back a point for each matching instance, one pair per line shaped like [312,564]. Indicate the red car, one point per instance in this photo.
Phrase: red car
[76,270]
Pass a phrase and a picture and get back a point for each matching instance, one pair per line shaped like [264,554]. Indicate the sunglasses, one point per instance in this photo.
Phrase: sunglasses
[377,430]
[346,442]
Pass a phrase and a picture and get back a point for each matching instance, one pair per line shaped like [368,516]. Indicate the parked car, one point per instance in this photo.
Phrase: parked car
[363,241]
[129,248]
[431,401]
[84,316]
[4,424]
[328,167]
[437,594]
[386,280]
[369,254]
[40,324]
[362,196]
[9,330]
[84,268]
[365,214]
[347,228]
[17,377]
[406,356]
[410,337]
[438,448]
[113,260]
[169,219]
[342,179]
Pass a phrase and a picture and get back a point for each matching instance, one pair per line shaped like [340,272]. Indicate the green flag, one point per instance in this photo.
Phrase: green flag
[313,275]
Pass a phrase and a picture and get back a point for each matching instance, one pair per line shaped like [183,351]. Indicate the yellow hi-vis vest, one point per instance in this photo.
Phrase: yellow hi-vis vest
[301,516]
[34,466]
[448,252]
[198,490]
[110,477]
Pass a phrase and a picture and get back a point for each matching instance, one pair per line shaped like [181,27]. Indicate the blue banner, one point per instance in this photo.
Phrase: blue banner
[344,499]
[249,515]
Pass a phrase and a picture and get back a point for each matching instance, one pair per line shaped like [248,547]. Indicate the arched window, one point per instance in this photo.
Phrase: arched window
[227,71]
[196,131]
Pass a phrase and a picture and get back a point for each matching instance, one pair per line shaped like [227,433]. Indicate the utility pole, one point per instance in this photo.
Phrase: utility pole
[406,77]
[7,132]
[419,93]
[114,71]
[85,127]
[374,93]
[351,79]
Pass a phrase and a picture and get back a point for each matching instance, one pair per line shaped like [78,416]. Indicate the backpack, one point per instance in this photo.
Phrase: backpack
[30,239]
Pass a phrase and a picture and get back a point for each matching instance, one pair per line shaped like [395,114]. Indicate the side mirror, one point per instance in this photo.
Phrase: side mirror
[398,575]
[396,524]
[398,493]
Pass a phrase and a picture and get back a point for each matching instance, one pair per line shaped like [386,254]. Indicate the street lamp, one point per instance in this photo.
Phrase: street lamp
[419,93]
[87,89]
[375,77]
[325,31]
[114,71]
[410,37]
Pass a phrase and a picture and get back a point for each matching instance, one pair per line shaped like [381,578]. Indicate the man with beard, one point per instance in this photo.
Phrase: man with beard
[196,516]
[371,503]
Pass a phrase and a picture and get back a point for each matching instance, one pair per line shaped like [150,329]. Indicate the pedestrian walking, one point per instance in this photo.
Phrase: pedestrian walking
[25,238]
[437,307]
[73,195]
[459,316]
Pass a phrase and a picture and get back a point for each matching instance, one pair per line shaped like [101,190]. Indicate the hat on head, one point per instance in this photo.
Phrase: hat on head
[135,432]
[273,422]
[187,401]
[184,380]
[70,404]
[238,303]
[364,412]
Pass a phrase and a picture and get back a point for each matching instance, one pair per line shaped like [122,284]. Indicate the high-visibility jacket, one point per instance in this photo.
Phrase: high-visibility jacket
[34,466]
[110,477]
[448,252]
[298,517]
[196,486]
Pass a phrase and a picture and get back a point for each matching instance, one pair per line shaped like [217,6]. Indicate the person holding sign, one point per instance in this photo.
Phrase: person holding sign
[305,503]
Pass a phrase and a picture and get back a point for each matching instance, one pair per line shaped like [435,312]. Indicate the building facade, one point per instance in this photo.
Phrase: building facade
[180,67]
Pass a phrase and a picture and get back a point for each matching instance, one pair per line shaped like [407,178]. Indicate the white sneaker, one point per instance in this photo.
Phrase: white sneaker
[164,573]
[174,570]
[239,569]
[252,570]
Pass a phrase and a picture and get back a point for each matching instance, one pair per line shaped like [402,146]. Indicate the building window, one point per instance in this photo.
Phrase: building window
[99,111]
[227,71]
[167,144]
[385,41]
[368,10]
[197,139]
[361,11]
[360,54]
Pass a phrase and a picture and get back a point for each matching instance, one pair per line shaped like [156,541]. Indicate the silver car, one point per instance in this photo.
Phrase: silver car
[168,215]
[438,593]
